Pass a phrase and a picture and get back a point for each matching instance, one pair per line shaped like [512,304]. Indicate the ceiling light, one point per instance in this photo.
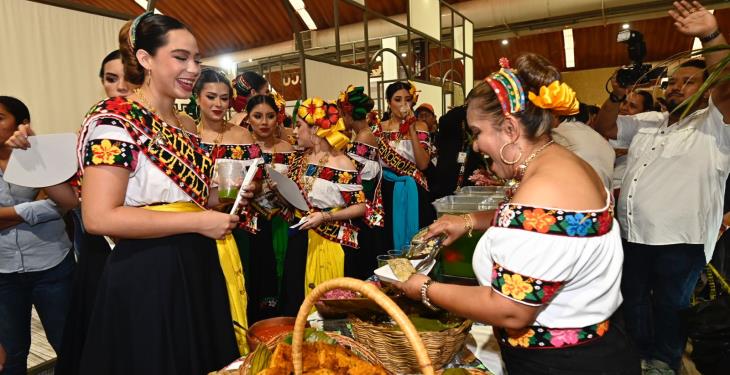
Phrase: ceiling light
[569,48]
[625,26]
[378,58]
[250,60]
[298,5]
[227,63]
[403,54]
[505,42]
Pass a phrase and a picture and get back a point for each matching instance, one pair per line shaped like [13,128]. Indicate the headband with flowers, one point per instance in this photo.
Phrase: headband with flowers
[132,38]
[557,97]
[352,101]
[326,117]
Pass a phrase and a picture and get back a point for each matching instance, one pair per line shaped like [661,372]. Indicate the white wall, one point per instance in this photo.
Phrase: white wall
[327,81]
[50,60]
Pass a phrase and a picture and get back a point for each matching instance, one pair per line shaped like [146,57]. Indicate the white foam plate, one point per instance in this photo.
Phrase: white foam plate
[385,273]
[288,189]
[50,160]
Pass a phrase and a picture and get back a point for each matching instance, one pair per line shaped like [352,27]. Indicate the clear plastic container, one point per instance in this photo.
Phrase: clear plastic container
[461,204]
[483,190]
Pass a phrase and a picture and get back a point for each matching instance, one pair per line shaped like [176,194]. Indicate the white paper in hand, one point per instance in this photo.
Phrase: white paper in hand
[288,189]
[50,160]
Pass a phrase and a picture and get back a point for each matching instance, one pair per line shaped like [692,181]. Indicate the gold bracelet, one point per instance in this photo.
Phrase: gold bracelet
[469,225]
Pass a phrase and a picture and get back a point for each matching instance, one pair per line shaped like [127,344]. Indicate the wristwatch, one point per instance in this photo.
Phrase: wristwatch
[616,99]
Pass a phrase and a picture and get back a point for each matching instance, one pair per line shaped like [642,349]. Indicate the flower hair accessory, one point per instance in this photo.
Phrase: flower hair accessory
[132,38]
[413,92]
[281,107]
[326,117]
[557,97]
[353,102]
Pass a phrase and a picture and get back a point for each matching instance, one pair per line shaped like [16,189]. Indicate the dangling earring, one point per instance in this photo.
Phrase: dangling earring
[501,154]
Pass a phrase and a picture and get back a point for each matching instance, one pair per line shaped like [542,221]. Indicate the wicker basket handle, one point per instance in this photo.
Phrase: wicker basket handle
[370,291]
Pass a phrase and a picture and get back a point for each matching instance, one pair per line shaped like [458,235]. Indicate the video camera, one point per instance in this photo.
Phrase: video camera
[637,73]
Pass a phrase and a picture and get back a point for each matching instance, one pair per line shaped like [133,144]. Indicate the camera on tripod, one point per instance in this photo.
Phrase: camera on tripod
[637,73]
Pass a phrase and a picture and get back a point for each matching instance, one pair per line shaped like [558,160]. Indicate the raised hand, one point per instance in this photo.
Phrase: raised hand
[693,19]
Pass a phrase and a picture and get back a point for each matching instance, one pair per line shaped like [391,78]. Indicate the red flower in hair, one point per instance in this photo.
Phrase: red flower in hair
[331,116]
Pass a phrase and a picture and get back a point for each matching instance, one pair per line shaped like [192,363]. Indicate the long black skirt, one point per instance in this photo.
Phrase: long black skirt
[93,253]
[426,212]
[361,262]
[295,266]
[262,285]
[161,308]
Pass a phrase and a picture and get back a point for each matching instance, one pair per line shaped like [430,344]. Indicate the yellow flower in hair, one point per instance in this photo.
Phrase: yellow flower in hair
[311,110]
[413,92]
[557,97]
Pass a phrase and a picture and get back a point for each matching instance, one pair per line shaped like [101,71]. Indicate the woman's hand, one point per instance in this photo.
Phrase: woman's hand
[454,227]
[412,286]
[314,220]
[216,225]
[19,139]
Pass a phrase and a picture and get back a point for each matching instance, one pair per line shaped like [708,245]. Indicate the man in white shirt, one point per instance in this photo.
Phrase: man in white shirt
[636,102]
[670,206]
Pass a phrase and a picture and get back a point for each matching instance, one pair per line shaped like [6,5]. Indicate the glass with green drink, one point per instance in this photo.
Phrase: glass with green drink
[230,178]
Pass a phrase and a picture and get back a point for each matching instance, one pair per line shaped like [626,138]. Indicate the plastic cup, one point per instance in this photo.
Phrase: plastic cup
[383,260]
[230,178]
[395,253]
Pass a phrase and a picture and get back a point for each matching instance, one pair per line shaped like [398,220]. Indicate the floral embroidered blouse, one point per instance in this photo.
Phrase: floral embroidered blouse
[106,139]
[404,147]
[567,261]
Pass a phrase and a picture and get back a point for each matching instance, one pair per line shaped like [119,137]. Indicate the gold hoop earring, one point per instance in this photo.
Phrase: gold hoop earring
[501,154]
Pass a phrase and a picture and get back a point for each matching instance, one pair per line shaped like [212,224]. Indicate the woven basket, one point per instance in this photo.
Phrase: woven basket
[359,349]
[391,346]
[370,291]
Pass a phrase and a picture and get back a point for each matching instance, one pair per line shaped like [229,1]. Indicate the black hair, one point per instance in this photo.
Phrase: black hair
[211,76]
[647,99]
[583,115]
[593,109]
[16,108]
[697,63]
[395,87]
[261,99]
[113,55]
[248,83]
[150,35]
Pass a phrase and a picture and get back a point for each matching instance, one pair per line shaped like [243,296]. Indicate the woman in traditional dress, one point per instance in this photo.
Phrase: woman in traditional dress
[162,304]
[405,152]
[269,235]
[550,262]
[330,183]
[356,109]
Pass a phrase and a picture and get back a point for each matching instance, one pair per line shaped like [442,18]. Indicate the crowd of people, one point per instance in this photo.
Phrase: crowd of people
[156,277]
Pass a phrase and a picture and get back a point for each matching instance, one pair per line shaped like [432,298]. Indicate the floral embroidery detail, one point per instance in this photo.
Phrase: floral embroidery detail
[557,222]
[577,225]
[506,216]
[363,150]
[344,178]
[353,197]
[235,152]
[111,152]
[538,220]
[515,286]
[538,337]
[522,288]
[523,341]
[562,337]
[104,153]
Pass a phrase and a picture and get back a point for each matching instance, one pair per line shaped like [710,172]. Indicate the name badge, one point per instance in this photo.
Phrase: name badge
[461,158]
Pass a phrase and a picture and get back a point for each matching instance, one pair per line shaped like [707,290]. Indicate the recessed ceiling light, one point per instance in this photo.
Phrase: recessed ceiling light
[403,54]
[625,26]
[250,60]
[505,42]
